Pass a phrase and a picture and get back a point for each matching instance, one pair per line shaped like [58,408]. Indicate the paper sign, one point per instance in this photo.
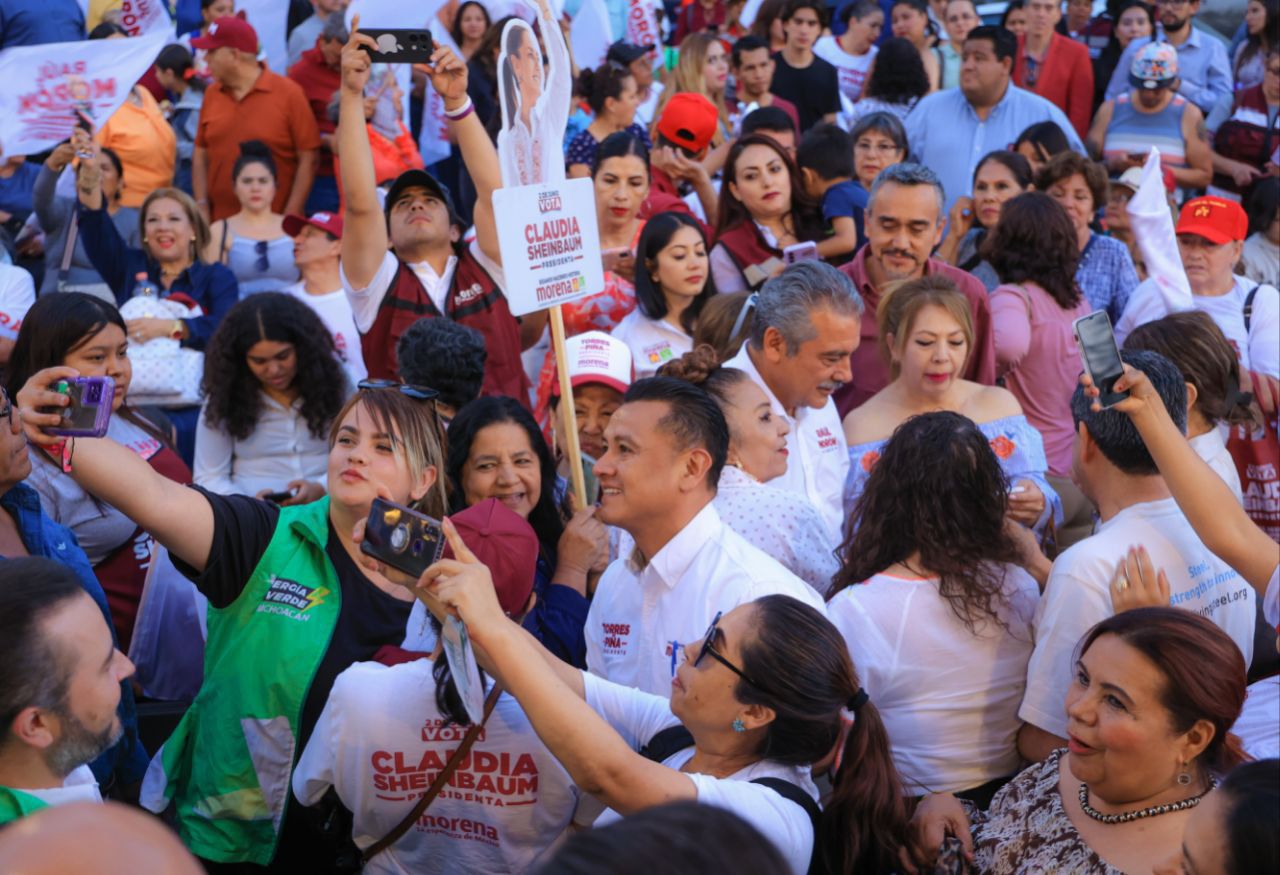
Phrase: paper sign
[550,243]
[144,16]
[462,665]
[642,27]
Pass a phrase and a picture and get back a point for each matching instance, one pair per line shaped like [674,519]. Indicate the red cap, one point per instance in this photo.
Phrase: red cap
[505,543]
[230,32]
[330,222]
[1215,219]
[689,120]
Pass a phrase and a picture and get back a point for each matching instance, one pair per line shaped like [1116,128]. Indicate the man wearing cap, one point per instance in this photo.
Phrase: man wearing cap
[1053,65]
[685,129]
[1204,71]
[639,60]
[1150,114]
[249,102]
[426,271]
[317,250]
[1211,232]
[383,738]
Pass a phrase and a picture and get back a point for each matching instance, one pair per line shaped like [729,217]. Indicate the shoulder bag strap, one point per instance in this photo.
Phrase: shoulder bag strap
[1248,307]
[438,784]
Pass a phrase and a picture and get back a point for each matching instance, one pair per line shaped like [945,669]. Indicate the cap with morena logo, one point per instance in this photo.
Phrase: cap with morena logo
[596,357]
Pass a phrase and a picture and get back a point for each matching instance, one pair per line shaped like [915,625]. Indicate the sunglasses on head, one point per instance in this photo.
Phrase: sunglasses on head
[409,390]
[708,649]
[262,262]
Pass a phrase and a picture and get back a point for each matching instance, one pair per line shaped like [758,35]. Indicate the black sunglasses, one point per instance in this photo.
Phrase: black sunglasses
[260,247]
[409,390]
[708,649]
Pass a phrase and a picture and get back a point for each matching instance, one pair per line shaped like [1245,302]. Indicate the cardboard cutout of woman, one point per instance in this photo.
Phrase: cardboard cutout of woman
[531,142]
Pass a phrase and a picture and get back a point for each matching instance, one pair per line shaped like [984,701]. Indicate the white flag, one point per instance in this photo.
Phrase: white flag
[146,16]
[1152,225]
[270,19]
[42,86]
[591,34]
[642,26]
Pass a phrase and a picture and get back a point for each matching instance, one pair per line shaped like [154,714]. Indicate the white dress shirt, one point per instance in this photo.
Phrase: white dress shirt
[280,449]
[644,613]
[817,456]
[653,342]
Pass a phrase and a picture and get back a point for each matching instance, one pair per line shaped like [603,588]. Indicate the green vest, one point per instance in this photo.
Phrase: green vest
[228,765]
[16,803]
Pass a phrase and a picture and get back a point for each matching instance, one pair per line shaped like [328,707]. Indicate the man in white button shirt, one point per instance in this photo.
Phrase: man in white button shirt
[806,325]
[664,450]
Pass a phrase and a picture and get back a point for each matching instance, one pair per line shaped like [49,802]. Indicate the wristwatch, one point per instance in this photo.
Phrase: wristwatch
[178,329]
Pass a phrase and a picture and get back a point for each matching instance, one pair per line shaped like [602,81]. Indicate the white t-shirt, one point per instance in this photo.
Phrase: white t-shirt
[1258,725]
[1213,449]
[638,717]
[1078,595]
[1258,348]
[79,786]
[645,111]
[334,310]
[817,455]
[851,69]
[17,294]
[653,342]
[949,698]
[380,742]
[643,614]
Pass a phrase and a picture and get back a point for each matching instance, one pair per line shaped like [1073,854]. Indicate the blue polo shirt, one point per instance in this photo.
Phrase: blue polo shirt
[127,761]
[946,135]
[1203,68]
[35,22]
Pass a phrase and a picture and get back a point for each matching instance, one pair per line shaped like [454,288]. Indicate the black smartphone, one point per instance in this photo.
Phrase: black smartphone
[278,497]
[1100,355]
[400,45]
[402,538]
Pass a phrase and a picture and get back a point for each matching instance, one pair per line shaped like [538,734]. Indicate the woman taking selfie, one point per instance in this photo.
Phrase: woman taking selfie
[252,242]
[497,451]
[80,331]
[926,334]
[999,176]
[272,386]
[1156,692]
[280,581]
[763,210]
[673,284]
[782,524]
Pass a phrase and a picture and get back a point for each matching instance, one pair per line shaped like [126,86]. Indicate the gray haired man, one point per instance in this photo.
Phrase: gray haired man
[804,330]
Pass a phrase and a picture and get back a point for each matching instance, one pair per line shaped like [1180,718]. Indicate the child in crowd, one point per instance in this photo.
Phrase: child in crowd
[825,157]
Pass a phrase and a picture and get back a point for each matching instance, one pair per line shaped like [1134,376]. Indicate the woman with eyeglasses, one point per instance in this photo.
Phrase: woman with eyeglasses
[252,242]
[272,386]
[290,607]
[766,693]
[879,140]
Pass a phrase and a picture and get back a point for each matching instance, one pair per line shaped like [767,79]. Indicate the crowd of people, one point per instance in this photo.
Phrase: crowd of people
[870,575]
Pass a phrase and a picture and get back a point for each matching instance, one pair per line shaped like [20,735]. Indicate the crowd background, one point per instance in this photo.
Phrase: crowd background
[868,579]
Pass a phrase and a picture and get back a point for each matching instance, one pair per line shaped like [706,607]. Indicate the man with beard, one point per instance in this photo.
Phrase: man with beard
[804,331]
[59,688]
[1204,71]
[904,222]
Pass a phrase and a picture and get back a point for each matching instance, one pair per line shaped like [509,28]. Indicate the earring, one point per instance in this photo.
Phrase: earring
[738,725]
[1184,777]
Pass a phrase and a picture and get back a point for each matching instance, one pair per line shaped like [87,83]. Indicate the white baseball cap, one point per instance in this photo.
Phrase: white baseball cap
[596,357]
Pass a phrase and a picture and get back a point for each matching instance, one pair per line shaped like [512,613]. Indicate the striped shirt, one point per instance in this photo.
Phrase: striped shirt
[1132,130]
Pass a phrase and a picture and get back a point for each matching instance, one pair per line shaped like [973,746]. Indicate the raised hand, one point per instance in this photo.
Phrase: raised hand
[448,74]
[357,63]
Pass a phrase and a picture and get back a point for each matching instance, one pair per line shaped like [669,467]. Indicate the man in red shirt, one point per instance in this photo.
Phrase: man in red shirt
[249,102]
[1055,66]
[688,123]
[317,73]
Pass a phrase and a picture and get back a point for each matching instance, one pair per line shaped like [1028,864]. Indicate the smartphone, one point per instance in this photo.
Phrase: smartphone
[278,497]
[400,45]
[83,112]
[589,478]
[402,538]
[1017,490]
[802,251]
[1100,355]
[90,409]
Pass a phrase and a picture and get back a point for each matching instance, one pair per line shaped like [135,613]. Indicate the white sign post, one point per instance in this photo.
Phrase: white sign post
[551,256]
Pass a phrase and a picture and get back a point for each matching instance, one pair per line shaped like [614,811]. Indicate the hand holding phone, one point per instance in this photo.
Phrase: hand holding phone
[90,409]
[400,45]
[1100,355]
[402,538]
[803,251]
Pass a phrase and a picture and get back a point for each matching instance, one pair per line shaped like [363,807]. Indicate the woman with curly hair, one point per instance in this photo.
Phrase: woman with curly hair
[272,386]
[934,609]
[1035,250]
[897,82]
[926,336]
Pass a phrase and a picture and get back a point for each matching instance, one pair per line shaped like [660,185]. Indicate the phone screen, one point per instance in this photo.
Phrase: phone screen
[1100,355]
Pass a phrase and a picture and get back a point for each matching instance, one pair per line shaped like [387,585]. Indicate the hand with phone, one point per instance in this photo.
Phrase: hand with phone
[620,260]
[1026,503]
[356,60]
[463,588]
[1100,356]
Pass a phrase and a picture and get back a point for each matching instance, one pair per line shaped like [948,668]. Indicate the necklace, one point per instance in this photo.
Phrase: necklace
[1152,811]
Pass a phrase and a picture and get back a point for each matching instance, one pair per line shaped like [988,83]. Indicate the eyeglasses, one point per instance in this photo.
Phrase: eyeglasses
[882,148]
[708,649]
[260,249]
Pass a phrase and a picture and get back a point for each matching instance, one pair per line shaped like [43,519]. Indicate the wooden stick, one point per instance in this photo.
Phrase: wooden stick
[569,419]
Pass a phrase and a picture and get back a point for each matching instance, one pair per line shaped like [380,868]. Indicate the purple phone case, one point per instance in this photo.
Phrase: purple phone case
[100,392]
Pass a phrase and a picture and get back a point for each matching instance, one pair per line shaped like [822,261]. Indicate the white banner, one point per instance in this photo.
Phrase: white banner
[270,18]
[642,27]
[550,244]
[145,16]
[42,86]
[590,34]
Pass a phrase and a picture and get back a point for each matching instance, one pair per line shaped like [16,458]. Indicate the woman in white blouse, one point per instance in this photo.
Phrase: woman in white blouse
[272,385]
[753,705]
[673,283]
[782,524]
[933,609]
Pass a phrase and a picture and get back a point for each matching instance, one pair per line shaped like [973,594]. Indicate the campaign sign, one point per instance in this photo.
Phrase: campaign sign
[550,244]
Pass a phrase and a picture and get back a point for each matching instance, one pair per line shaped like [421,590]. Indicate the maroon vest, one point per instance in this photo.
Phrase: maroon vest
[750,253]
[1249,139]
[475,301]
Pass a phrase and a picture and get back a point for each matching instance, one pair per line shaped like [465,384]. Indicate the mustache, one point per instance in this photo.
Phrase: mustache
[898,253]
[831,385]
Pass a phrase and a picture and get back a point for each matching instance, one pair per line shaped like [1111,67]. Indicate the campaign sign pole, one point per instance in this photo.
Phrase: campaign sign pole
[551,256]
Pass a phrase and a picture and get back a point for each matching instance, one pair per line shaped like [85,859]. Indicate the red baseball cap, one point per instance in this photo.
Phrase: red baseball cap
[230,31]
[504,542]
[1215,219]
[689,120]
[330,222]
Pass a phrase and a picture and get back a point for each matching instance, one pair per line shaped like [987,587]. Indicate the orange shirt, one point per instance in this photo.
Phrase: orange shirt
[274,111]
[145,144]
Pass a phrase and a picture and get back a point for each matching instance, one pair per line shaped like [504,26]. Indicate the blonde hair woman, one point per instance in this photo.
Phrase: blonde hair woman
[703,69]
